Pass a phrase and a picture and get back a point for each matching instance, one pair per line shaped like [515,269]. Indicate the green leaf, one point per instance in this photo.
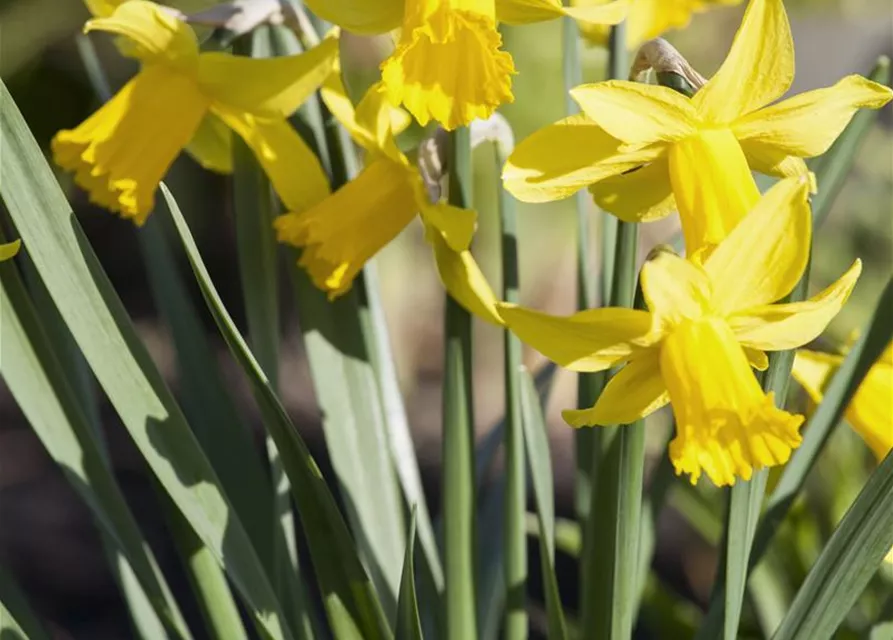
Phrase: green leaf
[122,365]
[458,433]
[408,626]
[611,534]
[537,440]
[349,598]
[847,563]
[41,388]
[17,620]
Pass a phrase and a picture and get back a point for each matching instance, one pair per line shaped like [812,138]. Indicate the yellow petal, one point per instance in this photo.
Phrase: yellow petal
[464,280]
[763,257]
[102,8]
[725,425]
[638,114]
[788,326]
[293,168]
[636,391]
[454,224]
[448,65]
[157,36]
[270,87]
[562,158]
[871,409]
[528,11]
[813,370]
[713,185]
[758,70]
[675,289]
[121,152]
[772,162]
[360,16]
[591,340]
[807,124]
[212,145]
[757,359]
[639,195]
[9,249]
[349,227]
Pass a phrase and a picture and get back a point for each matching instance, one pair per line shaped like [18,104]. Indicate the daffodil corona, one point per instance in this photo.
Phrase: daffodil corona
[707,324]
[645,151]
[344,231]
[121,152]
[448,65]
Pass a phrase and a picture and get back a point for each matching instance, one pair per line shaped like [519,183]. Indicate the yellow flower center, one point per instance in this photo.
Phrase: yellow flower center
[447,65]
[725,425]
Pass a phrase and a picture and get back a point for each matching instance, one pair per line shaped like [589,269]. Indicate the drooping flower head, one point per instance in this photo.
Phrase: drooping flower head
[448,65]
[649,19]
[646,150]
[122,151]
[706,325]
[341,233]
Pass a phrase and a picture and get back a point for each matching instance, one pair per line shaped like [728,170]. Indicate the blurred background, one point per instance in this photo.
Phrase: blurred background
[47,538]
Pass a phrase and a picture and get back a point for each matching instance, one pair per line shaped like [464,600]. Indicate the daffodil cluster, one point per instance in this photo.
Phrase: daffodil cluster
[645,151]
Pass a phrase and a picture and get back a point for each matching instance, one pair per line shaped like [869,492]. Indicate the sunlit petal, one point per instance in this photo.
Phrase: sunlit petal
[9,249]
[464,280]
[772,162]
[808,123]
[591,340]
[813,370]
[763,258]
[871,409]
[155,36]
[636,113]
[636,391]
[212,145]
[293,168]
[270,87]
[562,158]
[639,195]
[360,16]
[788,326]
[454,224]
[758,70]
[528,11]
[725,425]
[675,289]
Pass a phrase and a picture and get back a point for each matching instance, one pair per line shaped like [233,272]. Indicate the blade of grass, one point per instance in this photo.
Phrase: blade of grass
[847,563]
[408,626]
[515,497]
[122,365]
[540,462]
[17,620]
[341,352]
[41,388]
[352,606]
[458,432]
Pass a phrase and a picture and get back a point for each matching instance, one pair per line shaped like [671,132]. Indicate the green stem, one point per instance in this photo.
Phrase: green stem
[458,432]
[515,537]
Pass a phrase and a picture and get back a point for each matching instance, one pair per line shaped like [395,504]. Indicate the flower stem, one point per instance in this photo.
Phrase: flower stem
[515,567]
[458,432]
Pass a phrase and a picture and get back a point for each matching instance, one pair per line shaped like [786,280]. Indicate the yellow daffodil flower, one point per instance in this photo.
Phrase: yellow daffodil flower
[706,325]
[870,412]
[121,152]
[649,19]
[9,249]
[647,150]
[448,65]
[346,229]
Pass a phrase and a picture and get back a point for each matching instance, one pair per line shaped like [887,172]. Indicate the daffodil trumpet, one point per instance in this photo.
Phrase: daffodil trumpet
[707,324]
